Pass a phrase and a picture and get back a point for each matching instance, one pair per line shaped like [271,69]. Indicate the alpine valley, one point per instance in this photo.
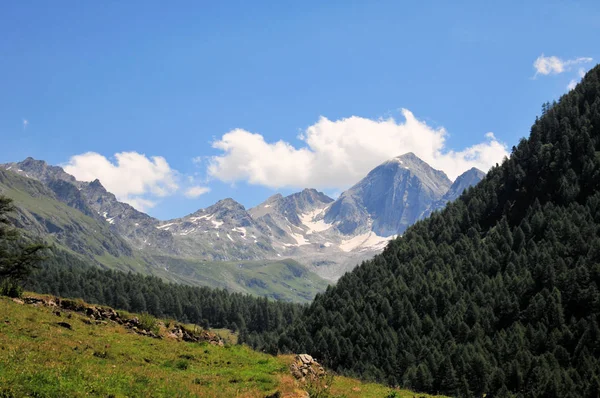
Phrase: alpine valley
[287,248]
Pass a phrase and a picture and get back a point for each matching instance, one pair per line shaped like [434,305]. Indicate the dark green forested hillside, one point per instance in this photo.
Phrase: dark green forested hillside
[65,275]
[497,294]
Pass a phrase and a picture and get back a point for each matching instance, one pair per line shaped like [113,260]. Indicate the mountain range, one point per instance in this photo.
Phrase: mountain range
[310,237]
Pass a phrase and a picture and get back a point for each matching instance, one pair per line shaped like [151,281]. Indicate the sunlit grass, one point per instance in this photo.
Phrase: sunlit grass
[227,335]
[40,358]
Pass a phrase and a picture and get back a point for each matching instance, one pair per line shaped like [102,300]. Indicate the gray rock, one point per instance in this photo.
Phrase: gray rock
[390,198]
[468,179]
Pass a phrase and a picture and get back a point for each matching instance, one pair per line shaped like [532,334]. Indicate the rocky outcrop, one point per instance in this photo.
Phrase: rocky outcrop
[289,207]
[102,315]
[178,332]
[305,368]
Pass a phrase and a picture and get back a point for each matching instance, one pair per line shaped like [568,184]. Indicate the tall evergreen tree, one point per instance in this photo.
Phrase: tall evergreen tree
[17,258]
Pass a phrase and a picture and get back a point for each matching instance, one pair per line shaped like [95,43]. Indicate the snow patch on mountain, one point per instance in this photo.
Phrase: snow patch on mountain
[165,226]
[313,222]
[301,241]
[366,241]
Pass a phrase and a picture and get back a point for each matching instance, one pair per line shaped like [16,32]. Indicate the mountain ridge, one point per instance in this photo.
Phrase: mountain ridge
[77,238]
[329,236]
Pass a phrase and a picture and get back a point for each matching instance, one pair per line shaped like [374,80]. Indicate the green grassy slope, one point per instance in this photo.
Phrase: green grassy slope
[40,358]
[41,214]
[285,279]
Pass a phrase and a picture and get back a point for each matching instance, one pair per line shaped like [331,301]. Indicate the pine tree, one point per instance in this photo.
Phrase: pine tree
[17,259]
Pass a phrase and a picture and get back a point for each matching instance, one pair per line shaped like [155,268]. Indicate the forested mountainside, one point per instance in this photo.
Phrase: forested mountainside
[67,276]
[497,294]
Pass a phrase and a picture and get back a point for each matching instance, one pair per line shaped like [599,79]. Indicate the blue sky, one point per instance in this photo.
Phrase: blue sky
[210,89]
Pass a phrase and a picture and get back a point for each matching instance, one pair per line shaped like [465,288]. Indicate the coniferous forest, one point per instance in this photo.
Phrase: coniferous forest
[66,276]
[497,294]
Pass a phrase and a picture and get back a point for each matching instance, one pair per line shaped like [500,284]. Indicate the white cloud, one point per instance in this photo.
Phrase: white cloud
[194,192]
[554,65]
[573,82]
[140,204]
[133,177]
[336,154]
[25,123]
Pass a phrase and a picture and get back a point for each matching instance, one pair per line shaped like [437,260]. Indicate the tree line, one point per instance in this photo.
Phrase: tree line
[64,275]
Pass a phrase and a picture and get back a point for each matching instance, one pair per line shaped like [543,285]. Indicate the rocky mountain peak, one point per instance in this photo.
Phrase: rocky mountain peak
[410,157]
[227,203]
[307,200]
[31,162]
[96,184]
[407,160]
[465,180]
[39,170]
[391,197]
[437,180]
[274,198]
[280,210]
[471,174]
[312,195]
[97,193]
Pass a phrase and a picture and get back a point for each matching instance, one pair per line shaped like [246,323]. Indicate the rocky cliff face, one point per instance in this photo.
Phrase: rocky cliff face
[467,179]
[223,231]
[390,198]
[282,217]
[292,206]
[138,228]
[65,187]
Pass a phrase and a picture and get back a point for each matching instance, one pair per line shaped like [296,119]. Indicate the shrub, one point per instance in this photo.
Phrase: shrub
[182,364]
[11,289]
[318,387]
[148,322]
